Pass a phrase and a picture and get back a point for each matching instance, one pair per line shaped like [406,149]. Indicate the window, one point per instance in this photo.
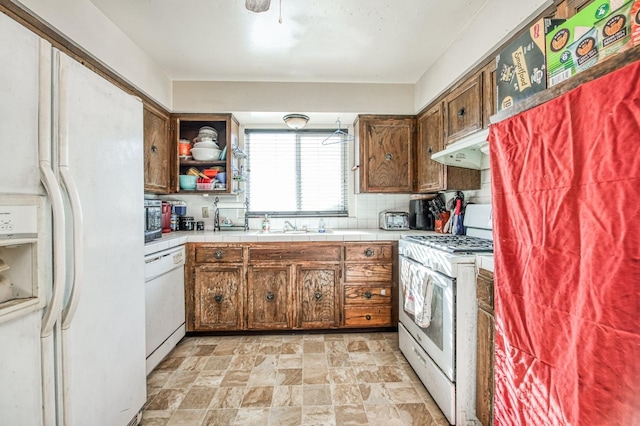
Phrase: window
[296,174]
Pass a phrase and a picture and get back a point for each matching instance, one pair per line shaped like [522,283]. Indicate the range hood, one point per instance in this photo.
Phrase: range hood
[471,152]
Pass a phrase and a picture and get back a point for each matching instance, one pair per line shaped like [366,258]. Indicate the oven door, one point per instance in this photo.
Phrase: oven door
[438,337]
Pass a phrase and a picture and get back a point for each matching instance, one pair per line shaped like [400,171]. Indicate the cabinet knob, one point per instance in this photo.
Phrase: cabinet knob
[218,298]
[430,150]
[368,317]
[388,156]
[367,294]
[368,252]
[218,254]
[154,149]
[461,112]
[270,296]
[317,295]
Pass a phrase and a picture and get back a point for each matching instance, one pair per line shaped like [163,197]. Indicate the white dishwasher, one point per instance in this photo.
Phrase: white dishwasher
[164,303]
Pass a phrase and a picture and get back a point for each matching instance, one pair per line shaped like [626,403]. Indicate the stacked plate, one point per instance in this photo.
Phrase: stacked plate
[205,147]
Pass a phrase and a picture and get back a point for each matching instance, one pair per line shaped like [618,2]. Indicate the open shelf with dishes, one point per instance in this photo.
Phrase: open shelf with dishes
[213,171]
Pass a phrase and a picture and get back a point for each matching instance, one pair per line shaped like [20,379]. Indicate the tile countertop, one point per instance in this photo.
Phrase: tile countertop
[485,261]
[174,239]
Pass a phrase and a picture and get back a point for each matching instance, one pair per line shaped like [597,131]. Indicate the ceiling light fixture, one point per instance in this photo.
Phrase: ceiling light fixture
[296,121]
[257,5]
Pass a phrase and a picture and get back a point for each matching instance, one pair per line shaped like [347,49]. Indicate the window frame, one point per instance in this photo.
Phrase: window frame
[309,213]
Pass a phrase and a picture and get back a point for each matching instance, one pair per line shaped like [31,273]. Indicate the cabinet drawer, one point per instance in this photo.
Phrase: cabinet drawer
[367,316]
[368,272]
[293,252]
[218,254]
[368,252]
[367,295]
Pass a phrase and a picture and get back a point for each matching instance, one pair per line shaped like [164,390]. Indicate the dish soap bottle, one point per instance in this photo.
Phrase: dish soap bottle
[265,224]
[321,226]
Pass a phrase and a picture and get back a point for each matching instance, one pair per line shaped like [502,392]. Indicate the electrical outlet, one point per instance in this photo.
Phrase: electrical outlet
[205,212]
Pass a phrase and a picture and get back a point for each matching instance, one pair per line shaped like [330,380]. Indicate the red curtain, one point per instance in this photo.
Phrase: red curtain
[566,203]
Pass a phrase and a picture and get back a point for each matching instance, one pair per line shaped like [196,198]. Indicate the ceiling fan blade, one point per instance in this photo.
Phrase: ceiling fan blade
[257,5]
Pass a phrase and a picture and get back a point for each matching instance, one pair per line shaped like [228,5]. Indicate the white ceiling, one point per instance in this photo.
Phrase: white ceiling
[340,41]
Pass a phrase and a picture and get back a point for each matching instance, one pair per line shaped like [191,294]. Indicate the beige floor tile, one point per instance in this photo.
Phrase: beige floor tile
[310,347]
[227,397]
[235,378]
[253,416]
[316,395]
[155,418]
[222,417]
[291,348]
[258,396]
[167,399]
[315,376]
[351,415]
[290,361]
[218,362]
[287,396]
[198,398]
[187,418]
[285,416]
[348,394]
[211,378]
[242,362]
[289,376]
[317,416]
[181,380]
[342,375]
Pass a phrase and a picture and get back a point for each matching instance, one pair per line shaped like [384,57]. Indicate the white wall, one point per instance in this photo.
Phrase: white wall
[494,23]
[308,98]
[82,22]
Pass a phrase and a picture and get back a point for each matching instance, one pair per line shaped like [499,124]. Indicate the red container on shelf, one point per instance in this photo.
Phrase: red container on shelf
[166,217]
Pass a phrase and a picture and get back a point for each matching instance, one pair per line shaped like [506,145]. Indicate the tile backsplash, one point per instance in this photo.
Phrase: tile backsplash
[363,210]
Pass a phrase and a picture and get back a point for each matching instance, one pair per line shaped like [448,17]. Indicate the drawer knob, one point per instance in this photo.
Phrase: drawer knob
[218,254]
[154,149]
[388,157]
[368,317]
[317,295]
[461,112]
[218,298]
[270,296]
[430,149]
[367,294]
[368,252]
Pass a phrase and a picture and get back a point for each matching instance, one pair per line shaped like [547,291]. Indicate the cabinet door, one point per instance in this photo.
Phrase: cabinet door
[489,93]
[218,297]
[484,373]
[158,151]
[269,303]
[430,174]
[463,109]
[316,287]
[386,163]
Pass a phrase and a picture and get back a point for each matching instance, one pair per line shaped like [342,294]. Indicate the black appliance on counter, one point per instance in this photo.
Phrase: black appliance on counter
[420,217]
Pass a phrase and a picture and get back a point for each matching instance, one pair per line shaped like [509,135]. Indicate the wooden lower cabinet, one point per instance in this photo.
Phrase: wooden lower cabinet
[268,297]
[485,349]
[290,286]
[217,295]
[369,297]
[317,286]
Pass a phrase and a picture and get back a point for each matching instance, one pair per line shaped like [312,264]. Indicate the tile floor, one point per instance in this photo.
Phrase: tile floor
[288,379]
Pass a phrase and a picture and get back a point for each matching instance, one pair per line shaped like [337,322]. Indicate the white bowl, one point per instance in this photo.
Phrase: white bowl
[205,154]
[208,131]
[210,144]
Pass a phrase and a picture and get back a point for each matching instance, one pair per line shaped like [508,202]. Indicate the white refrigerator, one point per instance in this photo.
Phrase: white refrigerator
[75,141]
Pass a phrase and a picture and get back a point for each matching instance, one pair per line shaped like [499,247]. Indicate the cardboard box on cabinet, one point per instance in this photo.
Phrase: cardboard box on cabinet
[599,31]
[521,66]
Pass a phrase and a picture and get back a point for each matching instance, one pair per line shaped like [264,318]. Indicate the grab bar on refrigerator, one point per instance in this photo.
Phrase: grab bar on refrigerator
[77,226]
[50,182]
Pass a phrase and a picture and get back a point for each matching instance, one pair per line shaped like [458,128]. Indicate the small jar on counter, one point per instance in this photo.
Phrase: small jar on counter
[200,225]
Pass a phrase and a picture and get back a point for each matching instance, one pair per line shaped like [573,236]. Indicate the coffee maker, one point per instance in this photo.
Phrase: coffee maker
[420,217]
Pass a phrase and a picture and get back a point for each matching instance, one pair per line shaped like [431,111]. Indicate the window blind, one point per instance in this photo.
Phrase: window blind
[296,173]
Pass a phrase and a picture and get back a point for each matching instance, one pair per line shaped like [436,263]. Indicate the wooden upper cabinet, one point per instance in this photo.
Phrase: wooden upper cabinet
[568,8]
[158,151]
[429,173]
[386,162]
[463,109]
[489,93]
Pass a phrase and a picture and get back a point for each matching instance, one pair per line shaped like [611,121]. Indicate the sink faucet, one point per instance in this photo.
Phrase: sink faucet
[292,226]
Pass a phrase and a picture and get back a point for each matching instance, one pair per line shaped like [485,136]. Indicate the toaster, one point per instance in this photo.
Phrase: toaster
[393,220]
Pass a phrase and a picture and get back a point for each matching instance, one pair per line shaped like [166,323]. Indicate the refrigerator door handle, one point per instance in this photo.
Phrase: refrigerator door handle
[53,309]
[77,226]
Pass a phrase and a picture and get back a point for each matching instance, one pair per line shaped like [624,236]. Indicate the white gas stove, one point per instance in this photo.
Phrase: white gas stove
[437,312]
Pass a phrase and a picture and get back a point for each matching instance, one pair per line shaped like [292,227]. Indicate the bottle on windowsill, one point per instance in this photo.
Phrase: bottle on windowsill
[265,224]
